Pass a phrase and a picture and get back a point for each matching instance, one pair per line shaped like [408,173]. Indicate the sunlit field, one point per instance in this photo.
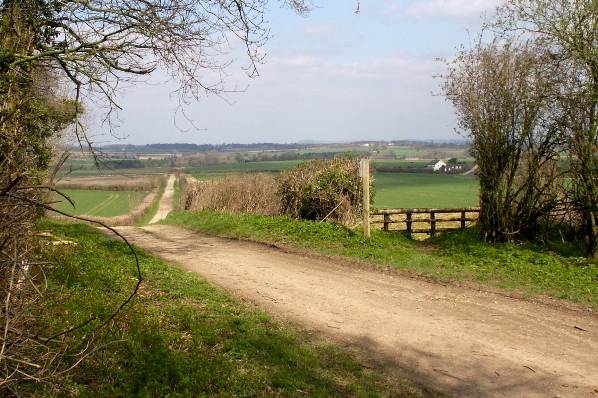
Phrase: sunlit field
[413,190]
[99,203]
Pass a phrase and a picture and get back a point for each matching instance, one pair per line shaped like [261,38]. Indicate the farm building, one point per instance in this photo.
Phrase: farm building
[437,165]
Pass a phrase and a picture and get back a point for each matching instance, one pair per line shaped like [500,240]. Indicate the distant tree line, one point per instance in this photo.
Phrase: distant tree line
[191,148]
[293,155]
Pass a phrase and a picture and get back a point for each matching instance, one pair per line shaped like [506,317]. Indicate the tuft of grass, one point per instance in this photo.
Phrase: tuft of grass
[182,337]
[155,205]
[455,256]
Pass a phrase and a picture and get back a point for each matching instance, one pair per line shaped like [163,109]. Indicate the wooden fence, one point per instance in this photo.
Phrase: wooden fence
[437,219]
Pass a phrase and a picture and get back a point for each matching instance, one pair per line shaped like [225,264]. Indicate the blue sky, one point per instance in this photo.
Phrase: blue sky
[333,76]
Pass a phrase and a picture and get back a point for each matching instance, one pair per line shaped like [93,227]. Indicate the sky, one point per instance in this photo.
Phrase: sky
[332,76]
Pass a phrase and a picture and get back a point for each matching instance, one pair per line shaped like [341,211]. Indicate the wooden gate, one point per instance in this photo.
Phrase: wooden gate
[425,221]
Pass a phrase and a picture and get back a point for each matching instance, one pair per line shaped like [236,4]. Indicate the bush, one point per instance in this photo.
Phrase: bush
[321,189]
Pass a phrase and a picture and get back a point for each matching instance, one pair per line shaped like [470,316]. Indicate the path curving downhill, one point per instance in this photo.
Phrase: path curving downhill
[460,341]
[166,201]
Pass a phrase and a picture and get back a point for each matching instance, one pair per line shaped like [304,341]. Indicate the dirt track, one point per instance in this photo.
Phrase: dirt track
[166,201]
[460,341]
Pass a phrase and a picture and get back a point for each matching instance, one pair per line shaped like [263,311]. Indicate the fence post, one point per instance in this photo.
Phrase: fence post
[409,225]
[364,171]
[386,222]
[432,223]
[463,219]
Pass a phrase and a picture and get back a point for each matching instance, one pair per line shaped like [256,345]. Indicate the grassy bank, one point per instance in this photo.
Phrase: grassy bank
[181,337]
[457,256]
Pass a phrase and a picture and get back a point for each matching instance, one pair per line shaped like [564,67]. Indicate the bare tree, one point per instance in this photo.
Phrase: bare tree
[502,95]
[566,31]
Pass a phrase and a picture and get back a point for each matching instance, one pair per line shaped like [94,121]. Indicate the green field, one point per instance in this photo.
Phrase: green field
[396,190]
[100,203]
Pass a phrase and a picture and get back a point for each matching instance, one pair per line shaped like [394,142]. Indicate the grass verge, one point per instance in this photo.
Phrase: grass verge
[151,212]
[181,337]
[460,256]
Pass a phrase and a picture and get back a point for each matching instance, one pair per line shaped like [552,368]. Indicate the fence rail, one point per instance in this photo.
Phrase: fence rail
[411,218]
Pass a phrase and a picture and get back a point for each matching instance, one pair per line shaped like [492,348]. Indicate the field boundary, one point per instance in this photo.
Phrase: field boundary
[111,183]
[415,217]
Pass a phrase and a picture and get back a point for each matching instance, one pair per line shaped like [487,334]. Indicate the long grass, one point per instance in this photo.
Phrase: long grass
[247,193]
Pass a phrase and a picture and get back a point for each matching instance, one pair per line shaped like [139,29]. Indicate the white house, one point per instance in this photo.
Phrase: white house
[436,165]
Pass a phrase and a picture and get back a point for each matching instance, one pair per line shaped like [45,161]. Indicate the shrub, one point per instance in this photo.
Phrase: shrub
[320,189]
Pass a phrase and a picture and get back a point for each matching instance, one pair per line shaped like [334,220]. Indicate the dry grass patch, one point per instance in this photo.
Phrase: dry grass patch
[249,193]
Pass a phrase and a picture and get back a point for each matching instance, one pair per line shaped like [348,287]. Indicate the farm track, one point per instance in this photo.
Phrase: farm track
[460,341]
[166,200]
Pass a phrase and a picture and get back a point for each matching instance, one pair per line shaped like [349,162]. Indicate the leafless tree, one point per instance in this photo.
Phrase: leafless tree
[566,31]
[502,95]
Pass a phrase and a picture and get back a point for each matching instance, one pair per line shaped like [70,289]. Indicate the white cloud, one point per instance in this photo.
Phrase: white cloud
[447,8]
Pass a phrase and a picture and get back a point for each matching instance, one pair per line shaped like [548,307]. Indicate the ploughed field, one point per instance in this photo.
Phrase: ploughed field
[98,202]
